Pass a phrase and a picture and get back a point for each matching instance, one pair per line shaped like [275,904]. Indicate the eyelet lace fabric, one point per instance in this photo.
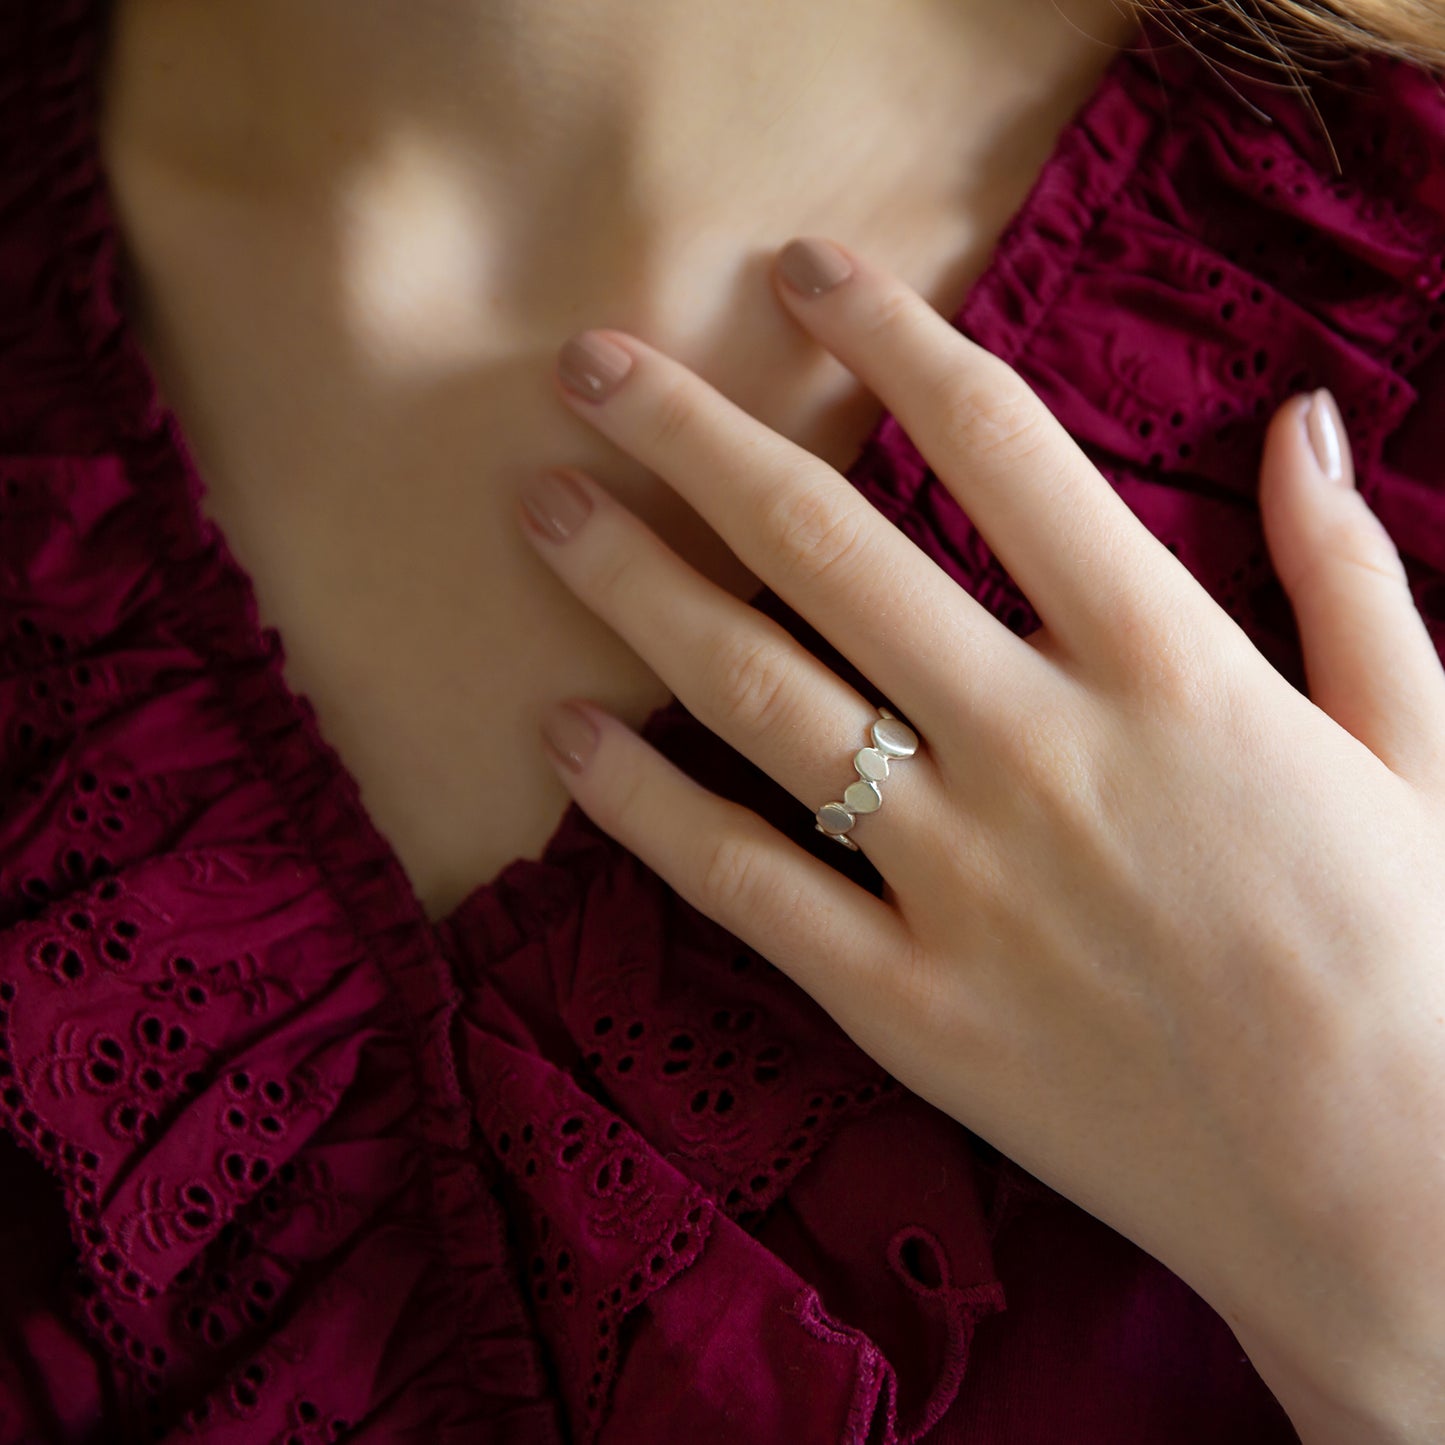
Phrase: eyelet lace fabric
[285,1162]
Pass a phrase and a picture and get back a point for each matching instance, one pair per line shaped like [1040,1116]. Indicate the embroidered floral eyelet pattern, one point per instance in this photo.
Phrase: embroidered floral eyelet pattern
[331,1172]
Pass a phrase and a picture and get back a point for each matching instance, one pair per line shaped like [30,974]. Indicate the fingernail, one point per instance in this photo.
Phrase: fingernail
[555,505]
[813,267]
[570,735]
[1326,431]
[591,366]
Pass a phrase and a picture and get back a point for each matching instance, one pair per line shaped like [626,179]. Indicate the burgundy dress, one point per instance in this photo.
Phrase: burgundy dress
[281,1161]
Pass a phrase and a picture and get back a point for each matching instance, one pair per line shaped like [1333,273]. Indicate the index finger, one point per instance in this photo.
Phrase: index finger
[1083,559]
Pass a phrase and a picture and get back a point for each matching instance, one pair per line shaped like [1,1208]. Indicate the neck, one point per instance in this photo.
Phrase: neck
[606,125]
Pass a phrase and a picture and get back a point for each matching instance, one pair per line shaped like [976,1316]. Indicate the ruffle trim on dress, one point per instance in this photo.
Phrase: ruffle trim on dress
[196,1044]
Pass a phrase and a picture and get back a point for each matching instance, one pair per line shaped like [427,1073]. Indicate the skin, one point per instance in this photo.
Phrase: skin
[366,423]
[358,231]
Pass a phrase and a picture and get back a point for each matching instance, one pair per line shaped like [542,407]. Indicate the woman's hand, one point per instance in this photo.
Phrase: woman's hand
[1159,927]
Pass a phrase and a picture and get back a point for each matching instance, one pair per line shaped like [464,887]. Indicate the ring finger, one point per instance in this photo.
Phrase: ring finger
[736,670]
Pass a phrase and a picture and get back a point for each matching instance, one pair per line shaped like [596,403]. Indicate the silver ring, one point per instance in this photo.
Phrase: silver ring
[891,740]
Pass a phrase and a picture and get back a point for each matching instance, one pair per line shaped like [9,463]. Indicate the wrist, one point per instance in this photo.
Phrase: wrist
[1368,1395]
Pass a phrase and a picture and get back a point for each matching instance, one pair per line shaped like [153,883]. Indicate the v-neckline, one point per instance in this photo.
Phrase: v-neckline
[96,258]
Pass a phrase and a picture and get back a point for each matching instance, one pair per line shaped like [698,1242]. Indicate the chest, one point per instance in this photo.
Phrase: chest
[372,509]
[362,441]
[378,540]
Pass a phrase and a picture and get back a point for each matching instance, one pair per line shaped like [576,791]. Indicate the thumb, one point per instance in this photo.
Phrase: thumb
[1369,660]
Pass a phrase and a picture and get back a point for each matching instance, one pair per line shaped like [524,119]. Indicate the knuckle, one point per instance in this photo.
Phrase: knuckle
[1163,656]
[731,871]
[918,986]
[896,309]
[750,683]
[674,413]
[627,802]
[987,411]
[817,531]
[1351,545]
[1057,779]
[611,573]
[1044,758]
[1207,688]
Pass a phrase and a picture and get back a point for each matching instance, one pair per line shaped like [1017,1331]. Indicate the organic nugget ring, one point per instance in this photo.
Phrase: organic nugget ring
[892,740]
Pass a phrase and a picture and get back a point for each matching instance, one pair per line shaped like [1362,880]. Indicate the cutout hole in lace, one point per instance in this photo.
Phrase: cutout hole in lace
[920,1262]
[915,1257]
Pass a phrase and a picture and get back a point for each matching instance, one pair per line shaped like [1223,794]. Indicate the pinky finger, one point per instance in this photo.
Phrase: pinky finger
[823,931]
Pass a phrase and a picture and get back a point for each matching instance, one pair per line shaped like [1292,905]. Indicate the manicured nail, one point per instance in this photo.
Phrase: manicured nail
[570,735]
[1326,431]
[812,267]
[591,366]
[555,505]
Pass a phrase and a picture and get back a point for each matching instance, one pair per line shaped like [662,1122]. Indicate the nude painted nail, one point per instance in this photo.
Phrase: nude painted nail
[555,505]
[570,735]
[812,267]
[591,366]
[1326,430]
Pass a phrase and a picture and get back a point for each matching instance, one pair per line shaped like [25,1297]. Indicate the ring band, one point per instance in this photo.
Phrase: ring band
[891,740]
